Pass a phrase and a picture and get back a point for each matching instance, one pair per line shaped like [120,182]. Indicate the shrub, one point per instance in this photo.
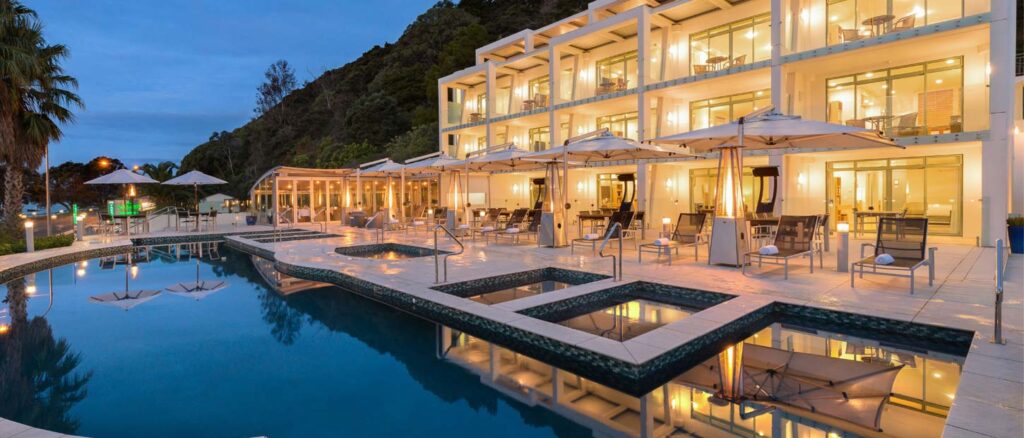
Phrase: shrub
[1015,221]
[45,242]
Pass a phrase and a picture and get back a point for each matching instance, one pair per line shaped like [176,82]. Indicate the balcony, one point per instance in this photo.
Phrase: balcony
[826,23]
[910,100]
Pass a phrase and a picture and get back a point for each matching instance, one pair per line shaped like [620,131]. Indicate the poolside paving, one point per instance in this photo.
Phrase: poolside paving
[988,403]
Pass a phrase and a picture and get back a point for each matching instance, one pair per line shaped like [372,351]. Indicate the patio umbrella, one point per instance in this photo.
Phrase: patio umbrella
[505,157]
[436,163]
[848,390]
[126,178]
[389,168]
[195,179]
[603,146]
[198,289]
[764,129]
[127,299]
[772,130]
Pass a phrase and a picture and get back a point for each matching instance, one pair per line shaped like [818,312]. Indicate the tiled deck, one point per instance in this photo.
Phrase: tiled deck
[988,403]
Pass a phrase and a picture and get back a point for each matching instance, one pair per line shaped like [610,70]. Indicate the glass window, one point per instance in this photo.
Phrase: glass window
[540,90]
[621,125]
[565,87]
[929,187]
[722,110]
[852,20]
[731,45]
[617,73]
[919,99]
[539,137]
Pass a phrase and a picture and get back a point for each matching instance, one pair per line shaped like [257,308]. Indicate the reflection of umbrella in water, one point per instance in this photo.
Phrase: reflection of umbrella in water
[198,289]
[844,389]
[127,299]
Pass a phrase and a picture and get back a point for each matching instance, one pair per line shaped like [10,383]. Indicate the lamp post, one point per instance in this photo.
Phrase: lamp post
[843,252]
[46,183]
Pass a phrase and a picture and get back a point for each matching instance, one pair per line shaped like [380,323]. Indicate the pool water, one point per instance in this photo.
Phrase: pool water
[515,293]
[628,320]
[238,361]
[387,251]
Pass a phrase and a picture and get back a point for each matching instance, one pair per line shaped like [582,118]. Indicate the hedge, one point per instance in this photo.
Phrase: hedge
[45,242]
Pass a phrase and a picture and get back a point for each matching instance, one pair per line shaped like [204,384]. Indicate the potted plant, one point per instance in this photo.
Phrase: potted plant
[250,218]
[1015,228]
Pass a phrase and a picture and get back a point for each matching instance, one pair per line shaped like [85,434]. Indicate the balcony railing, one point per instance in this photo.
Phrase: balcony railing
[1020,64]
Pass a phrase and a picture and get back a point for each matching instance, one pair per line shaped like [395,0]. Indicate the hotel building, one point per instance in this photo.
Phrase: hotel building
[936,75]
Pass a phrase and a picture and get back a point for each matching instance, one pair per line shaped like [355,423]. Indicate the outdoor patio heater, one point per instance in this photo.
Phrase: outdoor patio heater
[552,225]
[729,232]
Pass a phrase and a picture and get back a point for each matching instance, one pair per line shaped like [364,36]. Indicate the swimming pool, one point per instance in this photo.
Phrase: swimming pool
[239,361]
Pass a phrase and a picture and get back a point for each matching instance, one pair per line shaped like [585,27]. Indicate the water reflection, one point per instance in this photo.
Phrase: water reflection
[39,383]
[785,381]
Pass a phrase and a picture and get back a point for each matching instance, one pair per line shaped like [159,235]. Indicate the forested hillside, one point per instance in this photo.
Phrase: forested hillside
[382,104]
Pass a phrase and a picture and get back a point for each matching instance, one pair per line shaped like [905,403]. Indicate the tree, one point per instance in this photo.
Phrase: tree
[35,98]
[163,195]
[280,82]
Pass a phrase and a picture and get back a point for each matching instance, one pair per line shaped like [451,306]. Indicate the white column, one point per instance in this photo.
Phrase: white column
[491,86]
[554,67]
[776,64]
[643,37]
[442,114]
[995,152]
[274,207]
[643,182]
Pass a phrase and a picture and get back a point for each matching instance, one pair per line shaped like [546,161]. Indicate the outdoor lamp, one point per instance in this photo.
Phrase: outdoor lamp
[30,244]
[843,244]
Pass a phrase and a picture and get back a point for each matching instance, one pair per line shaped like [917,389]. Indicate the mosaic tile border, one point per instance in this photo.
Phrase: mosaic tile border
[485,285]
[317,235]
[22,270]
[372,248]
[580,305]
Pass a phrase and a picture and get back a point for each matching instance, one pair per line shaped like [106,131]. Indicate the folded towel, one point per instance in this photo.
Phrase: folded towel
[418,223]
[512,230]
[769,250]
[664,241]
[591,236]
[486,228]
[463,226]
[884,259]
[393,221]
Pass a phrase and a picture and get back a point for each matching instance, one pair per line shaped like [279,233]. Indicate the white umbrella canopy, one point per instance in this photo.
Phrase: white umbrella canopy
[438,164]
[197,289]
[608,147]
[382,168]
[777,131]
[194,177]
[500,159]
[123,176]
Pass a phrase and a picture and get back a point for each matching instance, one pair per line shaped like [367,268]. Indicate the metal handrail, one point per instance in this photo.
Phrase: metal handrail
[1001,262]
[157,213]
[616,262]
[437,259]
[378,233]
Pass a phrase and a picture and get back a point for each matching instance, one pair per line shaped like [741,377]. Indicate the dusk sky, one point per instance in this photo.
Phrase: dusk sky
[158,77]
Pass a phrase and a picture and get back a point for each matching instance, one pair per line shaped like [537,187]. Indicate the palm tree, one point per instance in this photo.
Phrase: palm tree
[35,97]
[163,195]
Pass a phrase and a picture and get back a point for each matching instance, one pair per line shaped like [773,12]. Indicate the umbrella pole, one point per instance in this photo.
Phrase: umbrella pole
[195,188]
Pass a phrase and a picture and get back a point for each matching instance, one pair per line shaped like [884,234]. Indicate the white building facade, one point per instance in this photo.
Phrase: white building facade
[937,75]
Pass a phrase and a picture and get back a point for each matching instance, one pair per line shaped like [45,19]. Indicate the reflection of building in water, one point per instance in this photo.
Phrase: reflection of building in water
[920,395]
[281,283]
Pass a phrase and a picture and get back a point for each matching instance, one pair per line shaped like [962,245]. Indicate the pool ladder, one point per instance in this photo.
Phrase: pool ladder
[438,260]
[378,232]
[616,261]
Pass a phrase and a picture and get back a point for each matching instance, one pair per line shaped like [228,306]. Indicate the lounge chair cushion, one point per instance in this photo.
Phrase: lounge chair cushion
[486,228]
[512,230]
[393,221]
[884,259]
[662,241]
[418,223]
[769,250]
[591,236]
[463,226]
